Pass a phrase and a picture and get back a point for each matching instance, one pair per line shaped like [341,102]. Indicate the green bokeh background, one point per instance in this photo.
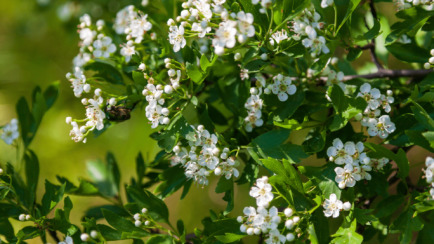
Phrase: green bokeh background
[38,40]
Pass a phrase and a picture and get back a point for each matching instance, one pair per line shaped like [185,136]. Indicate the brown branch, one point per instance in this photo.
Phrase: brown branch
[372,46]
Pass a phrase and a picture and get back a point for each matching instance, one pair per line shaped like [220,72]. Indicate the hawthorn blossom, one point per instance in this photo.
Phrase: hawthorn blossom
[245,26]
[10,132]
[78,81]
[382,128]
[332,206]
[103,46]
[326,3]
[176,37]
[262,192]
[429,172]
[370,95]
[128,50]
[282,87]
[278,36]
[347,176]
[225,35]
[340,153]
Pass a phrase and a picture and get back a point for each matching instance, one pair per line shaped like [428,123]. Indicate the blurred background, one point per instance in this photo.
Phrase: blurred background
[38,40]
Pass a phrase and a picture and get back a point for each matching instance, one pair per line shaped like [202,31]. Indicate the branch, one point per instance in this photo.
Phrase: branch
[372,46]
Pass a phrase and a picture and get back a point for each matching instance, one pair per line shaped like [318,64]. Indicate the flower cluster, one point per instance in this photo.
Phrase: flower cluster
[333,206]
[429,174]
[134,24]
[141,218]
[203,156]
[377,124]
[196,21]
[265,219]
[357,164]
[254,105]
[333,77]
[430,62]
[10,132]
[78,82]
[405,4]
[279,36]
[155,112]
[95,116]
[306,27]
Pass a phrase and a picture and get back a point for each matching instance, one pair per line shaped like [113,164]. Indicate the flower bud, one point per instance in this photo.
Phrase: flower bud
[296,219]
[167,65]
[68,120]
[144,210]
[176,149]
[166,121]
[253,91]
[264,56]
[147,222]
[267,91]
[98,92]
[170,22]
[347,206]
[112,101]
[137,223]
[167,60]
[257,231]
[185,14]
[28,217]
[290,237]
[1,171]
[218,171]
[86,88]
[427,65]
[136,216]
[432,52]
[142,67]
[237,56]
[200,128]
[168,89]
[240,219]
[165,111]
[250,231]
[84,237]
[431,60]
[288,212]
[94,234]
[22,217]
[171,72]
[84,101]
[289,224]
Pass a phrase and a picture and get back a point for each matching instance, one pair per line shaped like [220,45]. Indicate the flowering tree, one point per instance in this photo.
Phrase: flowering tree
[244,92]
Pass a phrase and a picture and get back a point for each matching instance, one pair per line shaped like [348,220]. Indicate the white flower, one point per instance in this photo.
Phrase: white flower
[253,120]
[225,35]
[245,24]
[254,102]
[204,8]
[262,192]
[383,128]
[202,28]
[78,81]
[103,47]
[278,37]
[124,18]
[267,219]
[87,35]
[275,237]
[340,153]
[227,168]
[176,37]
[370,95]
[128,50]
[95,115]
[81,59]
[429,172]
[68,240]
[283,86]
[347,176]
[385,101]
[332,206]
[10,132]
[326,3]
[378,164]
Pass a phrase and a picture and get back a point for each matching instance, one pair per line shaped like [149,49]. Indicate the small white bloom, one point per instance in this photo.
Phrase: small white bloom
[262,192]
[347,176]
[332,206]
[10,132]
[176,37]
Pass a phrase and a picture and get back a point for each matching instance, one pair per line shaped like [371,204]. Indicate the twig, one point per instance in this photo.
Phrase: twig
[372,46]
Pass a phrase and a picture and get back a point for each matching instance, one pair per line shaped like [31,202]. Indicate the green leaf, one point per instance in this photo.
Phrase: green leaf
[354,53]
[407,223]
[429,136]
[53,195]
[408,52]
[272,144]
[160,239]
[388,205]
[229,237]
[139,79]
[348,235]
[157,209]
[194,73]
[51,94]
[422,116]
[120,223]
[109,234]
[25,119]
[400,158]
[104,176]
[105,70]
[350,6]
[32,173]
[339,100]
[140,168]
[372,33]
